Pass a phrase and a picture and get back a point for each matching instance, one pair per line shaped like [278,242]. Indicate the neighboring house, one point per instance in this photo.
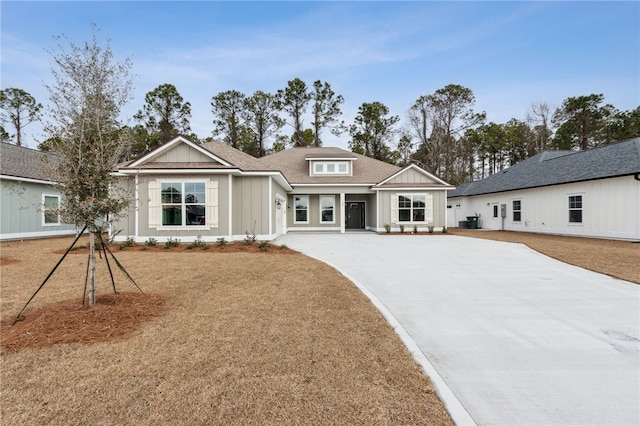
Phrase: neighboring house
[185,190]
[29,201]
[586,193]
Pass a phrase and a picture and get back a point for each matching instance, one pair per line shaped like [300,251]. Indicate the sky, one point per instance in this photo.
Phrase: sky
[510,54]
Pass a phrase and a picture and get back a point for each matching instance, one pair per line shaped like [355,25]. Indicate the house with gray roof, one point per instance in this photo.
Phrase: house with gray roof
[592,193]
[29,201]
[186,190]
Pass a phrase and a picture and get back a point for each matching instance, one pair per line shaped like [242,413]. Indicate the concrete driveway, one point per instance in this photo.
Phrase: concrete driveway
[509,336]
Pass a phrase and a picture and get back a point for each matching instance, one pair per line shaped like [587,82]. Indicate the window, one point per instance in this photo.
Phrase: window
[495,211]
[575,208]
[330,168]
[517,210]
[183,203]
[301,205]
[50,212]
[327,207]
[411,208]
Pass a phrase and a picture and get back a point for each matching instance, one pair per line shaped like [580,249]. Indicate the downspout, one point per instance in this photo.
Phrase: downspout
[137,206]
[230,203]
[270,206]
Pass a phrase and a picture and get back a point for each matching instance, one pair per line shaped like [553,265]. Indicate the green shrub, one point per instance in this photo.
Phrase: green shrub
[221,242]
[415,229]
[264,245]
[401,228]
[387,227]
[151,242]
[444,229]
[171,242]
[129,242]
[430,229]
[198,243]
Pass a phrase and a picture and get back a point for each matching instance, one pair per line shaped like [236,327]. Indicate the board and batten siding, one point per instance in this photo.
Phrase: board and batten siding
[182,154]
[251,205]
[411,176]
[388,204]
[610,209]
[21,212]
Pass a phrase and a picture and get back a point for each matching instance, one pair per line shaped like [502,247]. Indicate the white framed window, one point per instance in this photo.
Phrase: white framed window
[327,209]
[301,206]
[338,168]
[50,210]
[517,210]
[414,208]
[575,208]
[183,203]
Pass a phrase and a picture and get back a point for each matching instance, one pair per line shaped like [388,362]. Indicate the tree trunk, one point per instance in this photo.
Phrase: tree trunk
[91,285]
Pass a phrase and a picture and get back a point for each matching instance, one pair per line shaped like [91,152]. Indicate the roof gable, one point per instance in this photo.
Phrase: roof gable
[559,167]
[412,175]
[179,150]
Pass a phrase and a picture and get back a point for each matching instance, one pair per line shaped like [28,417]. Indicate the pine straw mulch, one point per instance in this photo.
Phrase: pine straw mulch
[114,317]
[241,338]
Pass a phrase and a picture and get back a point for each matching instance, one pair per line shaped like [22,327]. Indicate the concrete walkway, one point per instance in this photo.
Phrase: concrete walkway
[508,335]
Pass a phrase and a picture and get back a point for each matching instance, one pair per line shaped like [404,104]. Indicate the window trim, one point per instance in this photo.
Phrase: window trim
[333,208]
[572,209]
[295,209]
[44,210]
[428,207]
[183,204]
[518,211]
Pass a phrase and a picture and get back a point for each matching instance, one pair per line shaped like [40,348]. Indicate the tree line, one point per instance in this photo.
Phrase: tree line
[441,131]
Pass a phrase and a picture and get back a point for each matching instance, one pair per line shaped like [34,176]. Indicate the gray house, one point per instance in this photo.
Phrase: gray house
[186,190]
[28,200]
[585,193]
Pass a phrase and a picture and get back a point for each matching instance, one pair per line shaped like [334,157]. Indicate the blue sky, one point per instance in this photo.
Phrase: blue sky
[510,54]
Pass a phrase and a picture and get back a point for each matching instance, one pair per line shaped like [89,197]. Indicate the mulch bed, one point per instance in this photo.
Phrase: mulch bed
[231,247]
[114,317]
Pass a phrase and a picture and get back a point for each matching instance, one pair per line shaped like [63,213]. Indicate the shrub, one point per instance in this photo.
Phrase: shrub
[221,242]
[415,229]
[129,242]
[264,245]
[430,229]
[198,243]
[387,227]
[401,228]
[283,247]
[444,229]
[151,242]
[171,242]
[250,238]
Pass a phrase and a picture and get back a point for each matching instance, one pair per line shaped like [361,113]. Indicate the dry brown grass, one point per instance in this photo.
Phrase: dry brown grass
[619,259]
[243,338]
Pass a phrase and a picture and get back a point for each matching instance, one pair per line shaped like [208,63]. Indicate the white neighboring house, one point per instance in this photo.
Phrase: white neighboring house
[29,200]
[594,193]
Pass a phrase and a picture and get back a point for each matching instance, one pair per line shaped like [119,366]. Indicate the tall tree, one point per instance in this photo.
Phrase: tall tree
[539,118]
[326,111]
[262,121]
[20,108]
[420,122]
[165,113]
[581,122]
[228,108]
[371,131]
[89,90]
[294,101]
[624,125]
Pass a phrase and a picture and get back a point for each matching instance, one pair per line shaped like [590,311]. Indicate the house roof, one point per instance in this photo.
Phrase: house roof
[234,156]
[21,162]
[559,167]
[293,164]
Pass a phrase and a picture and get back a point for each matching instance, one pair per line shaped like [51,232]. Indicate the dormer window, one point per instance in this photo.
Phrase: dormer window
[340,168]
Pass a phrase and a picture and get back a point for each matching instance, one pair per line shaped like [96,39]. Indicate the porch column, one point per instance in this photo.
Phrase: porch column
[342,213]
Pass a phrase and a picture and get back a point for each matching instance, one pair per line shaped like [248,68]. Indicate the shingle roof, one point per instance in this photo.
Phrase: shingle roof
[291,162]
[234,156]
[18,161]
[558,167]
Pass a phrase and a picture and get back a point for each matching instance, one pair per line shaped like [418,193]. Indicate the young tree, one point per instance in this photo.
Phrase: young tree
[371,131]
[90,88]
[165,113]
[294,101]
[326,110]
[228,108]
[262,121]
[20,108]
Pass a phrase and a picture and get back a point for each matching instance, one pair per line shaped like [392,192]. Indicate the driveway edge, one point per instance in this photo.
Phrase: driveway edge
[458,413]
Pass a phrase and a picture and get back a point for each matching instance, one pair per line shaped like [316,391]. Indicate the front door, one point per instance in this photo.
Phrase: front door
[354,214]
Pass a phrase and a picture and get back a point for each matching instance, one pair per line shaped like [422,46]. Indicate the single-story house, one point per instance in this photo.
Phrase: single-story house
[183,190]
[29,200]
[593,193]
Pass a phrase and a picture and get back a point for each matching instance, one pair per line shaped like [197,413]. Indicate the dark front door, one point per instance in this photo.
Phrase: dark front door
[354,214]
